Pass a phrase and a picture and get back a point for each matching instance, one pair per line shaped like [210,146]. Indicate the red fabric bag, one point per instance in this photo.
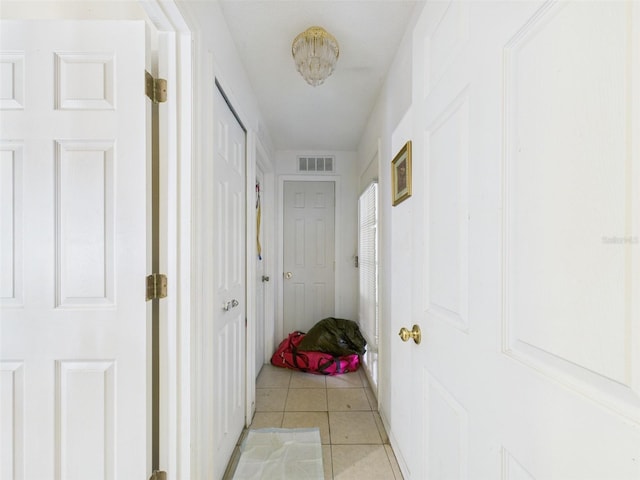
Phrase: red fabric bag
[287,355]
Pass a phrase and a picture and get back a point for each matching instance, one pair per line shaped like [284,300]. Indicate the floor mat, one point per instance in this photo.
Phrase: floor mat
[281,453]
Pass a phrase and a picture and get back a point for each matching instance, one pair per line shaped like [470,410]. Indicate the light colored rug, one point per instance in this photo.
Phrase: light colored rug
[281,454]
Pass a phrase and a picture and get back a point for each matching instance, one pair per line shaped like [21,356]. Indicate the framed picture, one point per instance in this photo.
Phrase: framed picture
[401,175]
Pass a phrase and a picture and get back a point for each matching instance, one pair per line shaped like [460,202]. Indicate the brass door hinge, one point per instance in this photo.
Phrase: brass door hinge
[156,286]
[155,88]
[158,475]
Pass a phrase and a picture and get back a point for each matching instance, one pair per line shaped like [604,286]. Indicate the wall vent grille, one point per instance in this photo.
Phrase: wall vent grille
[316,164]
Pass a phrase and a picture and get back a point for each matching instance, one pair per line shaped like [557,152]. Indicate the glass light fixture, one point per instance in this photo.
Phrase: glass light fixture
[315,52]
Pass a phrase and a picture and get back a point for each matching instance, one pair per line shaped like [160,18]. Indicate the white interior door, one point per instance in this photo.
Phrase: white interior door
[309,254]
[526,258]
[72,221]
[262,278]
[228,283]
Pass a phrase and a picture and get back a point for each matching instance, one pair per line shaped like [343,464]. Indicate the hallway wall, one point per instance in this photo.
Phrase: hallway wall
[393,104]
[216,54]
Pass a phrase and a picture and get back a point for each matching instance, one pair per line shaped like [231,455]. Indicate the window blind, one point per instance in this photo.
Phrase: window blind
[368,265]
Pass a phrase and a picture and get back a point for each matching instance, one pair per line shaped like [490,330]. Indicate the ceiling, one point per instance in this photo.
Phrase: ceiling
[333,115]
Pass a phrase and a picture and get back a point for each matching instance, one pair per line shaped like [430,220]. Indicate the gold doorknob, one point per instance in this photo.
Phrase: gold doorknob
[414,333]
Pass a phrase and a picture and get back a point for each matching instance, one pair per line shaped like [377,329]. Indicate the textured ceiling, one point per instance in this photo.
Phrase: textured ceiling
[331,116]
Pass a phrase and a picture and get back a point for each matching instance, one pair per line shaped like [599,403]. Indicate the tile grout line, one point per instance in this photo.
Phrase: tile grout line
[339,386]
[326,394]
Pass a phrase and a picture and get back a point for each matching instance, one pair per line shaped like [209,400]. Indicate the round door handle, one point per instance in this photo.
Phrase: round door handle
[288,275]
[414,333]
[229,305]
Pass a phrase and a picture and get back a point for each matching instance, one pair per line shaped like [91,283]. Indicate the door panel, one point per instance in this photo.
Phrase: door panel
[73,320]
[261,275]
[598,205]
[309,223]
[526,240]
[229,288]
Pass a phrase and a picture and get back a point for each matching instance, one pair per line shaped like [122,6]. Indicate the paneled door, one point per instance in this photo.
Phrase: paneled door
[309,246]
[73,327]
[262,276]
[525,251]
[227,284]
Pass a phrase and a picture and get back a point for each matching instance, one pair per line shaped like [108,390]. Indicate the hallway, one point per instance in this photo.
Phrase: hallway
[354,442]
[143,276]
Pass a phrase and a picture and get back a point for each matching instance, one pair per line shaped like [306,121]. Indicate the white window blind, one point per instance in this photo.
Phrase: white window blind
[368,265]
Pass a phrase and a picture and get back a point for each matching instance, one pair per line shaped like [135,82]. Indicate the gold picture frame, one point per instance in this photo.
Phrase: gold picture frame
[401,175]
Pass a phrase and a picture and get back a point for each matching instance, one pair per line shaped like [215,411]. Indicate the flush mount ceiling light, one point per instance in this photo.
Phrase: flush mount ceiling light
[315,52]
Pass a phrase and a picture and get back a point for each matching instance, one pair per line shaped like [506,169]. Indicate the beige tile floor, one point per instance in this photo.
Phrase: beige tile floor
[354,442]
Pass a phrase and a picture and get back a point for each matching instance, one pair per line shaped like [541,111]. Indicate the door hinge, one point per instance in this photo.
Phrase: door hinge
[156,286]
[155,88]
[158,475]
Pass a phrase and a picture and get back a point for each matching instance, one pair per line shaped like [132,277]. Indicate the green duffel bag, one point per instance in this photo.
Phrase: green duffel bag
[337,336]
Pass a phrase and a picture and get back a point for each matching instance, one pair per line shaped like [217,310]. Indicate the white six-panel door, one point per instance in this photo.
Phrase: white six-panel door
[73,358]
[226,285]
[309,253]
[526,286]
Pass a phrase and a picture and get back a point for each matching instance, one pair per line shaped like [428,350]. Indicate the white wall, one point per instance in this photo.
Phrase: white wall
[217,55]
[72,10]
[346,224]
[392,105]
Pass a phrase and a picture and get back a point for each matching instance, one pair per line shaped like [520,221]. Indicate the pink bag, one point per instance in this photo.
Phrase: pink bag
[287,355]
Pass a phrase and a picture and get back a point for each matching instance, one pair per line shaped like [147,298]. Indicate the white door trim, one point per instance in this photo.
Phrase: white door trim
[175,65]
[339,247]
[250,272]
[257,156]
[268,221]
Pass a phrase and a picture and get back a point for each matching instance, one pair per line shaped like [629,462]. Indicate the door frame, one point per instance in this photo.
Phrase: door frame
[174,65]
[338,246]
[258,157]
